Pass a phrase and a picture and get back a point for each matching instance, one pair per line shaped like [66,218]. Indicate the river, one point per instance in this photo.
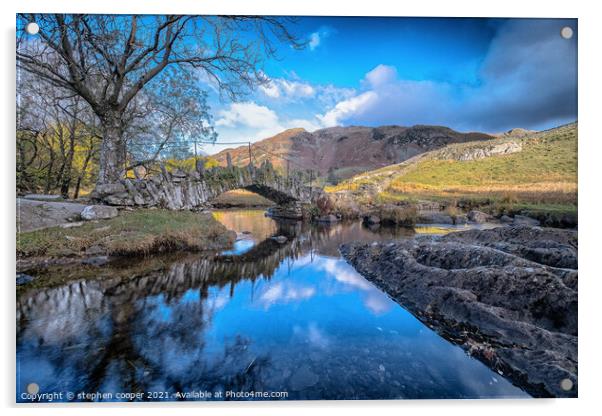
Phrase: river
[265,319]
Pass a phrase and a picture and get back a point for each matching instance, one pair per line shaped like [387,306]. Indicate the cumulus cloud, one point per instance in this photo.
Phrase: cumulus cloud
[351,107]
[527,79]
[247,114]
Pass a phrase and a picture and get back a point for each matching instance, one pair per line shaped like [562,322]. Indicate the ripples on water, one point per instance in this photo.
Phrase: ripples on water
[263,316]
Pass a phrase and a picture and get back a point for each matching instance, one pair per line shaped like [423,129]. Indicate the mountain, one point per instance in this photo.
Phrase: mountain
[519,167]
[345,151]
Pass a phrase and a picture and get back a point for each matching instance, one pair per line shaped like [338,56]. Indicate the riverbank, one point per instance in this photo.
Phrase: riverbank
[508,296]
[138,232]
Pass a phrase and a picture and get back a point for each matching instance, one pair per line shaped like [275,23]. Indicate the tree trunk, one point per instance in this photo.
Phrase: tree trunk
[112,149]
[82,174]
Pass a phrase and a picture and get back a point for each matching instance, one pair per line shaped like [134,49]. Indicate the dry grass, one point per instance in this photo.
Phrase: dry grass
[131,233]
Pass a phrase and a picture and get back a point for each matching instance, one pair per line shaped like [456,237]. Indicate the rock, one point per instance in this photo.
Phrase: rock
[372,219]
[479,217]
[96,260]
[498,293]
[36,215]
[108,189]
[327,219]
[72,224]
[96,212]
[280,239]
[43,197]
[524,220]
[23,279]
[292,211]
[460,219]
[506,219]
[433,217]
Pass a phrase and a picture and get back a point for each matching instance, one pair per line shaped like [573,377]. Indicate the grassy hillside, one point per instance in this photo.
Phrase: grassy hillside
[544,172]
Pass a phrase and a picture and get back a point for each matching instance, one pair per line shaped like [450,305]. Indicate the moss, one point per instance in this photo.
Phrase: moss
[130,233]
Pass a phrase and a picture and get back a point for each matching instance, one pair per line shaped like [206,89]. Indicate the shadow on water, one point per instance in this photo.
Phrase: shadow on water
[288,316]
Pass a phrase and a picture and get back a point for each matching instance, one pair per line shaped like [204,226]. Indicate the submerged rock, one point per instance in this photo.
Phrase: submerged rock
[506,295]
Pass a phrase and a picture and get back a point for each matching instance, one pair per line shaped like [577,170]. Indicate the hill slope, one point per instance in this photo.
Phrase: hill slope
[539,168]
[341,152]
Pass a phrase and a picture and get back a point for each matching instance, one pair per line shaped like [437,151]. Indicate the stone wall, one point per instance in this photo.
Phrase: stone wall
[179,190]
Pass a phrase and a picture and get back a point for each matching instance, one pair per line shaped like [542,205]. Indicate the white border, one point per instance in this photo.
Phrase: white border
[590,154]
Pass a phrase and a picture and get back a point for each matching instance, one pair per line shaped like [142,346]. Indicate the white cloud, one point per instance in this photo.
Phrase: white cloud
[314,40]
[381,75]
[527,79]
[282,88]
[247,114]
[271,90]
[348,108]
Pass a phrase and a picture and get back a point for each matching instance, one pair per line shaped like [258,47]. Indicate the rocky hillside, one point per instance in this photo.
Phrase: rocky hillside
[533,167]
[341,152]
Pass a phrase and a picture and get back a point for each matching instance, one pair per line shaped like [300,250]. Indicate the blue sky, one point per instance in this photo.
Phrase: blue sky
[469,74]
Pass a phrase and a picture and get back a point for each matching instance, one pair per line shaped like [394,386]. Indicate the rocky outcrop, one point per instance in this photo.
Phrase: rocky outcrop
[508,296]
[481,151]
[179,190]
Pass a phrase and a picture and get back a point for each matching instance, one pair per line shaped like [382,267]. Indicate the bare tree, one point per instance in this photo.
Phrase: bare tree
[109,59]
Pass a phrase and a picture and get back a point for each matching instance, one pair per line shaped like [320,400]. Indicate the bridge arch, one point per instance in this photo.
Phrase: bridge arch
[179,190]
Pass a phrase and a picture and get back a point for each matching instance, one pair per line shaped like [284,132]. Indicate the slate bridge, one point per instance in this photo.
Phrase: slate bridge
[180,190]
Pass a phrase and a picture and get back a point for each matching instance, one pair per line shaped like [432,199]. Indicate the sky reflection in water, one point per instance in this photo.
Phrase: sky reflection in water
[298,318]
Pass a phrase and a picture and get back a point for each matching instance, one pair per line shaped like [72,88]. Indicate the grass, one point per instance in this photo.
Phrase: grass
[242,198]
[130,233]
[543,176]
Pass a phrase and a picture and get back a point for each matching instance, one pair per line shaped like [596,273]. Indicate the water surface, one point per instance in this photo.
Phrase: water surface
[292,318]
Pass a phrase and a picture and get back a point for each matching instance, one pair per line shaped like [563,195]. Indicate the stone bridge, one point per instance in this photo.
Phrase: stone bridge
[178,190]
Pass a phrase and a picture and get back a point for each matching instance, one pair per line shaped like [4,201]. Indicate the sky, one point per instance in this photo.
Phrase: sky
[487,75]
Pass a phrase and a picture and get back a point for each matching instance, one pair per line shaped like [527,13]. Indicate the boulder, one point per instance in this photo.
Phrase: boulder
[460,219]
[99,212]
[434,217]
[506,219]
[524,220]
[108,189]
[479,216]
